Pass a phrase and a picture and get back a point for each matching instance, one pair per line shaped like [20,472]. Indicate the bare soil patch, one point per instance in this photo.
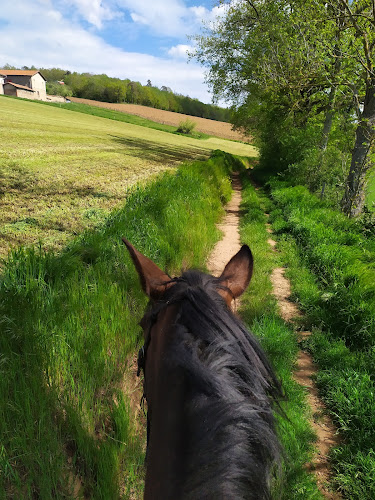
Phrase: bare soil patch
[204,125]
[230,244]
[304,375]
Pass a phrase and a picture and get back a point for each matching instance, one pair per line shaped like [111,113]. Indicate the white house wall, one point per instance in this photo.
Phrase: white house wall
[39,85]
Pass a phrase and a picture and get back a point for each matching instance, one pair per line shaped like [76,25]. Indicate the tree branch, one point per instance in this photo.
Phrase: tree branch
[251,4]
[361,32]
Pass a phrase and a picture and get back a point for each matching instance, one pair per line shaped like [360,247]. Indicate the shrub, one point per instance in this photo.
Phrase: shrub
[186,127]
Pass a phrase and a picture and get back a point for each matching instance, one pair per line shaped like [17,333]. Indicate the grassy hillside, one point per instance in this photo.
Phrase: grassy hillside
[169,118]
[68,332]
[62,171]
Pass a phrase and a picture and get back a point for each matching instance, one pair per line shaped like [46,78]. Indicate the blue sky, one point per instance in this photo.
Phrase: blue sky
[136,39]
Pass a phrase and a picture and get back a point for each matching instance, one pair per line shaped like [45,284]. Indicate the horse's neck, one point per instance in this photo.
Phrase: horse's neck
[166,447]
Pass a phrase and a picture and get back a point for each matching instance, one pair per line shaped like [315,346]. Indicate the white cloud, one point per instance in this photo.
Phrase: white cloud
[209,15]
[180,51]
[169,17]
[93,11]
[166,17]
[44,38]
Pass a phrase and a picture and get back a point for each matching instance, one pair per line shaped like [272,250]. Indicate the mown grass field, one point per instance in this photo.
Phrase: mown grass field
[62,172]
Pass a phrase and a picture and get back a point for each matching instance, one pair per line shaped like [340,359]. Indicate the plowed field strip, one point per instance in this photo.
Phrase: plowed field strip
[210,127]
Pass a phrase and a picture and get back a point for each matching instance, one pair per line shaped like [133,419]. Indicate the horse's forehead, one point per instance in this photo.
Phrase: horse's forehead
[167,318]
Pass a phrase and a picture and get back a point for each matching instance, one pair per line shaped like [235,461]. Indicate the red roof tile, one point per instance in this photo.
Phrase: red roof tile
[19,86]
[20,72]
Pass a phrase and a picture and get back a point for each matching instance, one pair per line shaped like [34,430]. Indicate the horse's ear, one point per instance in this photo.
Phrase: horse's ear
[153,280]
[237,274]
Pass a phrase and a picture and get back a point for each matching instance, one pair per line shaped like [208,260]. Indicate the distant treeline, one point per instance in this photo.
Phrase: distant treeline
[107,89]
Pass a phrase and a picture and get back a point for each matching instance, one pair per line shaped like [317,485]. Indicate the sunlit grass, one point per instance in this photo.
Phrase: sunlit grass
[259,310]
[69,330]
[331,266]
[62,172]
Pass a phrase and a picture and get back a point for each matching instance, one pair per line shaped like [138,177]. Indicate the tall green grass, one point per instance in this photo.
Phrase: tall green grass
[331,266]
[69,327]
[341,258]
[259,310]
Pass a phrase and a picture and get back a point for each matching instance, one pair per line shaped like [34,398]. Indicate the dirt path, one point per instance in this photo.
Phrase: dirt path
[230,244]
[305,369]
[304,375]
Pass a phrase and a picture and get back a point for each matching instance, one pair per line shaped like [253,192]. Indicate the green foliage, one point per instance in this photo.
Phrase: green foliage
[331,265]
[259,310]
[107,89]
[69,328]
[55,88]
[186,127]
[340,257]
[366,222]
[297,74]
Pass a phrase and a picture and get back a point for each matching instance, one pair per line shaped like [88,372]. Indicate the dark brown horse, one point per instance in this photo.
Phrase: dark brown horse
[208,385]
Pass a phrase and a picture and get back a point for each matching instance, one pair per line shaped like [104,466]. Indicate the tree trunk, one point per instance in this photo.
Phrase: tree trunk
[354,196]
[328,122]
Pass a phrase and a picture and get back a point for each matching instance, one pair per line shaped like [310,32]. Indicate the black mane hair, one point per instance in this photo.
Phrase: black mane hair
[230,448]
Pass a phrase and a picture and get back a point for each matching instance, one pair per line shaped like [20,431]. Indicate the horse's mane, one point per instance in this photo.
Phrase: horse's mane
[231,445]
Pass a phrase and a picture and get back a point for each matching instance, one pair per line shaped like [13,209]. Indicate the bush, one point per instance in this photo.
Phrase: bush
[186,127]
[55,88]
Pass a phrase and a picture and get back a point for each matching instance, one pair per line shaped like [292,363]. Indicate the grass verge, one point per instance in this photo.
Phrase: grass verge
[259,311]
[331,267]
[69,326]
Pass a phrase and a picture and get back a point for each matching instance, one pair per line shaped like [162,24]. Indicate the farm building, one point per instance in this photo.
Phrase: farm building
[2,80]
[29,84]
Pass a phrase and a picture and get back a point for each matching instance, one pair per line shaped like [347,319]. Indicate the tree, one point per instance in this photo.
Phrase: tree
[361,27]
[293,61]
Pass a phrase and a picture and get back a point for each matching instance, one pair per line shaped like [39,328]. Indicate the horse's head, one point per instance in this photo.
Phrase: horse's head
[231,284]
[208,386]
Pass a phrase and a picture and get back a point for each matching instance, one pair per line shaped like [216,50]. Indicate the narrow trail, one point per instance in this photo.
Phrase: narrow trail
[303,375]
[230,244]
[305,368]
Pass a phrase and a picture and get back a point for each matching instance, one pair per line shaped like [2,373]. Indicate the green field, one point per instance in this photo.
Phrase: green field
[69,396]
[118,116]
[370,195]
[70,423]
[62,171]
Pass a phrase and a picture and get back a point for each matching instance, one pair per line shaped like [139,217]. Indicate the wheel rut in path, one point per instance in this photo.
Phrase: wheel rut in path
[305,369]
[304,373]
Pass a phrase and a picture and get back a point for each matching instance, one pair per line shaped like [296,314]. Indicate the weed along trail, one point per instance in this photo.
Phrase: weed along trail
[303,375]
